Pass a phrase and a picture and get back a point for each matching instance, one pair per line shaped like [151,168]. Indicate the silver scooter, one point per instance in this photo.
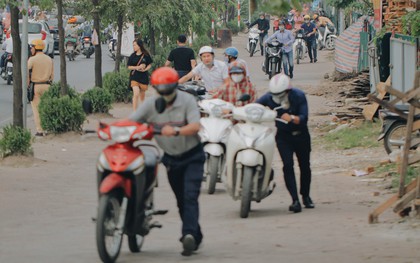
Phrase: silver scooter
[327,40]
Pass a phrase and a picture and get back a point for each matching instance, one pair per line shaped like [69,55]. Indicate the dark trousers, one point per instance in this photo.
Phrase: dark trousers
[185,175]
[182,73]
[287,145]
[311,48]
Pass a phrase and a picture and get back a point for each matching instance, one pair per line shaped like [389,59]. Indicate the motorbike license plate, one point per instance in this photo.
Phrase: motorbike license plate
[87,44]
[299,35]
[9,65]
[70,47]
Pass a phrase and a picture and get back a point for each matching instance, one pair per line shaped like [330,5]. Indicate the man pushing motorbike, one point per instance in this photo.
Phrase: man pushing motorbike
[263,26]
[286,38]
[177,115]
[292,136]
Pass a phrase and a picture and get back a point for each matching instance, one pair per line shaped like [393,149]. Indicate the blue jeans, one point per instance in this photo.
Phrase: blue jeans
[263,37]
[287,59]
[311,48]
[185,175]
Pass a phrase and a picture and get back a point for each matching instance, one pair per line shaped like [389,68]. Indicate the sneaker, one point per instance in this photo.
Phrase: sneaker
[189,245]
[311,61]
[315,60]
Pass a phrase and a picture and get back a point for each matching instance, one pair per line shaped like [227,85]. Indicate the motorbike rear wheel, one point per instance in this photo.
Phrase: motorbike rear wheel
[395,137]
[108,238]
[9,79]
[330,43]
[298,55]
[246,195]
[212,168]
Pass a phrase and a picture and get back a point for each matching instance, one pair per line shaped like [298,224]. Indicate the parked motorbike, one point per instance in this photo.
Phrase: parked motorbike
[112,47]
[7,71]
[87,47]
[126,177]
[394,131]
[273,54]
[215,129]
[196,88]
[253,36]
[249,155]
[300,46]
[327,40]
[70,44]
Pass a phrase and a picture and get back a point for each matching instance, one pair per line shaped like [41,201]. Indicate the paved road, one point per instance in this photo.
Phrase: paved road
[80,75]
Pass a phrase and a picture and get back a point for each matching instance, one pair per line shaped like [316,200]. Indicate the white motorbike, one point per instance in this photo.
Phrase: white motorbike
[327,40]
[299,46]
[249,155]
[112,47]
[215,129]
[253,37]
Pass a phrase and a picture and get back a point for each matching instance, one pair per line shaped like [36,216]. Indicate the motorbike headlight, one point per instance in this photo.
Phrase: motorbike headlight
[254,114]
[122,134]
[216,111]
[299,35]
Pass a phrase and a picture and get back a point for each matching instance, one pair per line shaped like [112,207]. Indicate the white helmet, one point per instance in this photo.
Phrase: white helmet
[205,49]
[279,83]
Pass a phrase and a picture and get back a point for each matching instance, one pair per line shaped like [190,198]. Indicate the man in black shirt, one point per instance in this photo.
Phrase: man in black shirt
[263,26]
[182,57]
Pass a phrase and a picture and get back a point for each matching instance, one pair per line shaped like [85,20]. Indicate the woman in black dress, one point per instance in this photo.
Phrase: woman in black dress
[139,64]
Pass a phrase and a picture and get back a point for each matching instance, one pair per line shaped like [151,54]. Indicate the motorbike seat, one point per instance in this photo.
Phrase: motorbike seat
[151,153]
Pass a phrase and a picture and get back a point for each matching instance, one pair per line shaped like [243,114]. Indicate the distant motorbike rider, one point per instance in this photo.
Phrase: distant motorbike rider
[213,72]
[238,86]
[286,38]
[292,137]
[7,46]
[231,56]
[310,31]
[263,26]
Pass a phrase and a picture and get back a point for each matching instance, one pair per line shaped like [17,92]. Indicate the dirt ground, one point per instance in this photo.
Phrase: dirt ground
[46,203]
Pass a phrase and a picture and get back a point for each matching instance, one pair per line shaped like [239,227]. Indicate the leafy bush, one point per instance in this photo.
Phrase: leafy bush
[15,141]
[200,41]
[100,98]
[161,56]
[233,26]
[54,91]
[117,84]
[411,23]
[60,114]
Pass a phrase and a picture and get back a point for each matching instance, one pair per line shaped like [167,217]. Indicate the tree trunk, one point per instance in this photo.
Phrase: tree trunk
[17,67]
[119,39]
[98,49]
[253,6]
[152,37]
[63,66]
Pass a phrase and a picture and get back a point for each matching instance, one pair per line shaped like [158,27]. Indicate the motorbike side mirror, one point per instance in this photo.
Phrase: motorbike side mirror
[245,97]
[201,91]
[160,105]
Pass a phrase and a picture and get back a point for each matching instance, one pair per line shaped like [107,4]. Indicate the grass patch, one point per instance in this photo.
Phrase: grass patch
[391,169]
[358,135]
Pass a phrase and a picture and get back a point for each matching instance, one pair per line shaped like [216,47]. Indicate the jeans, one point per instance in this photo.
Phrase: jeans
[287,145]
[263,37]
[185,176]
[287,59]
[311,48]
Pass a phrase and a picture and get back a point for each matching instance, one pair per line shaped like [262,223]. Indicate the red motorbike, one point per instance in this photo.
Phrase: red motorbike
[126,176]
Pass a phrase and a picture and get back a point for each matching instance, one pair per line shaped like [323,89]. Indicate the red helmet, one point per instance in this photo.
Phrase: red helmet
[164,80]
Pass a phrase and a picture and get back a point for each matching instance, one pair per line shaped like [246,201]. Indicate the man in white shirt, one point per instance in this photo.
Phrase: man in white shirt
[214,73]
[8,47]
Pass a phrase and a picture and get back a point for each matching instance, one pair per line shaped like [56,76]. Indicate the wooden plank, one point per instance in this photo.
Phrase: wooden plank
[373,216]
[414,159]
[417,203]
[370,110]
[406,151]
[405,97]
[387,105]
[405,200]
[415,141]
[416,125]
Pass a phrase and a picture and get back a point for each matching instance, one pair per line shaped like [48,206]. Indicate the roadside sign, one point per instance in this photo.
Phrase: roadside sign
[127,40]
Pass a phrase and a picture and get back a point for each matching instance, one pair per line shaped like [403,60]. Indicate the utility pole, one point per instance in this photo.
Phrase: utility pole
[24,60]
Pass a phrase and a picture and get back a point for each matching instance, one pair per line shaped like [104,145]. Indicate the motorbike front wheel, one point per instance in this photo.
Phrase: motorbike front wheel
[108,237]
[298,55]
[395,137]
[252,49]
[273,70]
[212,168]
[135,242]
[246,195]
[9,79]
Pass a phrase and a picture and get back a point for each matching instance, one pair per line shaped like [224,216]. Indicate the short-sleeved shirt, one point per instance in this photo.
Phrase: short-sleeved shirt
[42,68]
[213,77]
[308,29]
[141,77]
[183,111]
[181,57]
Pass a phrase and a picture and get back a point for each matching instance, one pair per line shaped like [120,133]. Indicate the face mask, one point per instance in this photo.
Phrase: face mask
[237,77]
[281,28]
[307,21]
[282,99]
[226,59]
